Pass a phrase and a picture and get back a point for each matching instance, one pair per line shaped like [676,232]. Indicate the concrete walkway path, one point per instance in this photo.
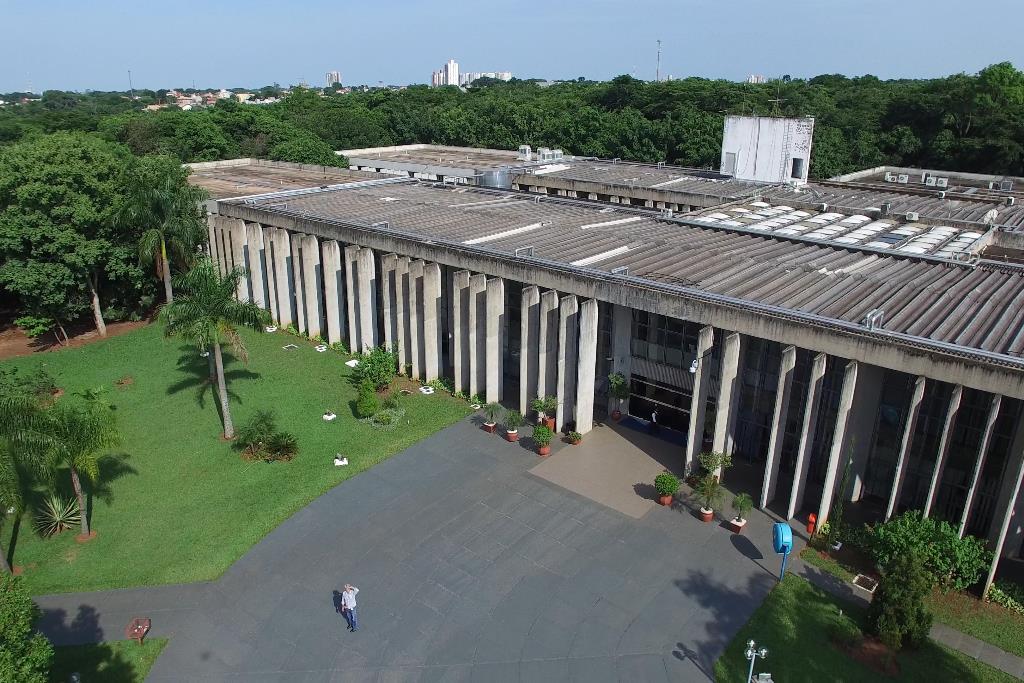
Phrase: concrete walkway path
[470,568]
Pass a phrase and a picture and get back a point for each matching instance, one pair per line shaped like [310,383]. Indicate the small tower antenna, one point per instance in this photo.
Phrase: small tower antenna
[657,70]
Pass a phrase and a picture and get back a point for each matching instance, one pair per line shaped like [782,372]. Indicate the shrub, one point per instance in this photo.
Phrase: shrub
[951,561]
[38,384]
[513,420]
[712,461]
[1007,594]
[340,347]
[836,528]
[897,614]
[442,384]
[57,514]
[390,401]
[260,439]
[542,435]
[742,504]
[492,411]
[575,436]
[367,404]
[666,484]
[34,326]
[378,367]
[281,446]
[618,388]
[545,405]
[25,654]
[385,418]
[709,491]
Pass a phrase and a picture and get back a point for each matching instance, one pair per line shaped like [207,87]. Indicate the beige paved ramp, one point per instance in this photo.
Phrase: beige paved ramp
[614,466]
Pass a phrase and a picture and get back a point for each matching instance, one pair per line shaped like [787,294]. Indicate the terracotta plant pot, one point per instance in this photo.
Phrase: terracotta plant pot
[706,515]
[737,525]
[665,500]
[574,442]
[548,422]
[616,414]
[489,427]
[544,450]
[512,436]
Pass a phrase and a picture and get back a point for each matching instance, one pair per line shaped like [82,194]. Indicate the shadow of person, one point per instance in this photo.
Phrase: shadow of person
[336,599]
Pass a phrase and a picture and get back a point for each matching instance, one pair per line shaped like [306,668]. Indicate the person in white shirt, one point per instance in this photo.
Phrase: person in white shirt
[348,606]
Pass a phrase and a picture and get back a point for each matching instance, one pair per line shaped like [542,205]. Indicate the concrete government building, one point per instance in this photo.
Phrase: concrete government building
[876,318]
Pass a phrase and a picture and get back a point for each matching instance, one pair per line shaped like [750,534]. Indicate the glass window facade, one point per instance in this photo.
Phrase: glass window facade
[887,437]
[758,384]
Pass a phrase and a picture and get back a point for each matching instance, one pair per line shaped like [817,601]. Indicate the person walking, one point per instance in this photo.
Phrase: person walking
[348,606]
[654,421]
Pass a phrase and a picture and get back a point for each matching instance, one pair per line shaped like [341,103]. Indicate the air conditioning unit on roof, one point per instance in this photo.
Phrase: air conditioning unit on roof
[912,216]
[890,177]
[942,182]
[1006,185]
[929,181]
[903,178]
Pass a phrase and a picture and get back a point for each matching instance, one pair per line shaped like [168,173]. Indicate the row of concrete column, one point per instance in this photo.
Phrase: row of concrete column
[558,355]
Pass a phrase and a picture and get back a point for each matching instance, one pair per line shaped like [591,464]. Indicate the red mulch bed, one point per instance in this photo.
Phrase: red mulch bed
[875,655]
[14,343]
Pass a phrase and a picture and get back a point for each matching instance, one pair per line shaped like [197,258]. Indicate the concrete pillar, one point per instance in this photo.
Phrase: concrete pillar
[369,338]
[900,475]
[774,457]
[979,463]
[495,330]
[565,384]
[223,237]
[529,352]
[1009,497]
[281,243]
[256,259]
[728,394]
[402,303]
[477,333]
[334,290]
[415,313]
[431,340]
[586,375]
[836,456]
[211,246]
[312,287]
[298,288]
[803,455]
[388,262]
[547,345]
[944,443]
[237,227]
[269,279]
[699,399]
[351,256]
[621,351]
[460,330]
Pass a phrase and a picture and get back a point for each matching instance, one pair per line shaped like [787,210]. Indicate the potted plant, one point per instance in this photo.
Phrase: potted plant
[513,421]
[619,390]
[545,407]
[666,484]
[492,411]
[742,504]
[574,438]
[709,492]
[542,436]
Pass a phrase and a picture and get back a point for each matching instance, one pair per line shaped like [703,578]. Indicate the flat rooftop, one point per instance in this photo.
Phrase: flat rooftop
[243,177]
[435,156]
[973,308]
[647,176]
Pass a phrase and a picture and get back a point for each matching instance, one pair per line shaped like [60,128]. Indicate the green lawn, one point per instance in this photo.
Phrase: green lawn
[795,623]
[120,661]
[985,621]
[180,505]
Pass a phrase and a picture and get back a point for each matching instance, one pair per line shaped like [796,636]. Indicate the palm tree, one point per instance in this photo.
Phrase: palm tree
[206,313]
[80,432]
[167,210]
[23,435]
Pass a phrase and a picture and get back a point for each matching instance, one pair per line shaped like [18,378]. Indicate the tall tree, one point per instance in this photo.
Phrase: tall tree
[207,314]
[166,209]
[25,654]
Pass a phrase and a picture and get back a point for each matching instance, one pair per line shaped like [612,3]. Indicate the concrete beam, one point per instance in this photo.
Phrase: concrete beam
[529,351]
[547,345]
[432,302]
[313,289]
[388,263]
[477,334]
[944,444]
[979,462]
[415,313]
[369,338]
[840,447]
[334,290]
[900,475]
[495,329]
[461,347]
[803,454]
[622,352]
[281,243]
[699,398]
[586,375]
[238,243]
[773,460]
[568,324]
[728,394]
[298,289]
[256,259]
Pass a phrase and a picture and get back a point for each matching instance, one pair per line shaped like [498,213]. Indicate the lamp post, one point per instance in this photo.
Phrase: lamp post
[752,653]
[696,361]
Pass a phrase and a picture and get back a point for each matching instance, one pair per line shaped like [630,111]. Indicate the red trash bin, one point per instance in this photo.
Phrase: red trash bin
[811,520]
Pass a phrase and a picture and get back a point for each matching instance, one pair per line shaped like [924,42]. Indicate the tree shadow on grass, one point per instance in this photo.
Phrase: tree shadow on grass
[98,662]
[197,376]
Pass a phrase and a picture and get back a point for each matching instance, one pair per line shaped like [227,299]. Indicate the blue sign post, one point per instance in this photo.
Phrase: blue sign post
[782,541]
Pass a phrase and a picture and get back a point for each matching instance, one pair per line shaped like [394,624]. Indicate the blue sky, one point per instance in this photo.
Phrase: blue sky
[74,45]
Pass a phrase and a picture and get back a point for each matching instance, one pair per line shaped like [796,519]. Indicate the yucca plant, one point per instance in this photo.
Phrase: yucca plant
[57,514]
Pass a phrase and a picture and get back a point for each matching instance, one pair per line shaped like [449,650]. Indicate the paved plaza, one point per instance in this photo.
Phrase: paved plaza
[470,569]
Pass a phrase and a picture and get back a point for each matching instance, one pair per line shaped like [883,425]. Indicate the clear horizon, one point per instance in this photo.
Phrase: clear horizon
[64,45]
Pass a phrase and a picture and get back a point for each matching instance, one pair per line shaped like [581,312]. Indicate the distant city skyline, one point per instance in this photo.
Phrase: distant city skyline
[403,41]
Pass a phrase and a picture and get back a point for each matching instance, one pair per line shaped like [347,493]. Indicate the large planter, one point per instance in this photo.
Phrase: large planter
[512,435]
[616,414]
[489,427]
[706,515]
[548,422]
[544,450]
[736,525]
[665,500]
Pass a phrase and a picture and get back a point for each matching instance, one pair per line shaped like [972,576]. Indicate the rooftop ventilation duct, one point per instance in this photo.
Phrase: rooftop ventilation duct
[885,209]
[874,319]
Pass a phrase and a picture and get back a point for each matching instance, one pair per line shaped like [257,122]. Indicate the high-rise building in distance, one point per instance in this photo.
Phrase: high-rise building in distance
[447,75]
[333,77]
